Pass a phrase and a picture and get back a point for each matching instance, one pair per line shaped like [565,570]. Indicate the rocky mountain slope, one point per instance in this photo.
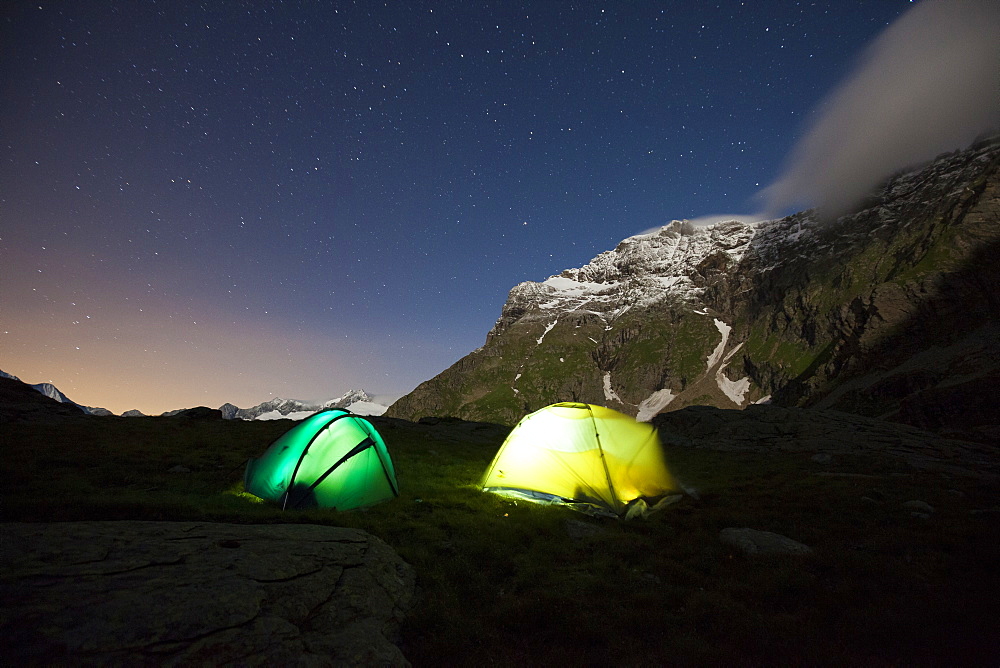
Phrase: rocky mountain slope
[20,402]
[52,392]
[891,311]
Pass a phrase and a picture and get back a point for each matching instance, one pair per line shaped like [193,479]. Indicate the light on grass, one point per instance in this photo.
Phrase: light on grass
[245,496]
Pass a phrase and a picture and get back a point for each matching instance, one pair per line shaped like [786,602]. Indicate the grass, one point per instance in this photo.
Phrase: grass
[501,582]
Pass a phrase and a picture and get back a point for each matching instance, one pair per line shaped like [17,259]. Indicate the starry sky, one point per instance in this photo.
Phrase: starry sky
[204,202]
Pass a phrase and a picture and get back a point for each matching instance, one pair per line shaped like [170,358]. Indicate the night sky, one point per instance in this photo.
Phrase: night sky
[204,202]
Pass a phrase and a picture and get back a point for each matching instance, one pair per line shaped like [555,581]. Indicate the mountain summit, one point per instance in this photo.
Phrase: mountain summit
[890,311]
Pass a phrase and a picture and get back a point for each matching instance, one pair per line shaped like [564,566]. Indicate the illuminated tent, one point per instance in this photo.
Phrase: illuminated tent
[332,459]
[580,453]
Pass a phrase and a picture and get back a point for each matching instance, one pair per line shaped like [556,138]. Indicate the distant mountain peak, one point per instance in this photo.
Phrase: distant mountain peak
[356,401]
[52,392]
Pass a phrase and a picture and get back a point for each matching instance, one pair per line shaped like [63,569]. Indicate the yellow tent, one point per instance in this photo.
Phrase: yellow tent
[580,453]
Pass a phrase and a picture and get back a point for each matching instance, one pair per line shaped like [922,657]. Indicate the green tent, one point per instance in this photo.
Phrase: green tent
[580,454]
[332,459]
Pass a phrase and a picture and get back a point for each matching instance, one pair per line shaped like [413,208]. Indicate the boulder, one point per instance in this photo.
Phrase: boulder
[919,506]
[754,542]
[579,530]
[196,593]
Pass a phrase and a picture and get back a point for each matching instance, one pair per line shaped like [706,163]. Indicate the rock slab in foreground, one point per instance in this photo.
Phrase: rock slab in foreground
[165,593]
[752,541]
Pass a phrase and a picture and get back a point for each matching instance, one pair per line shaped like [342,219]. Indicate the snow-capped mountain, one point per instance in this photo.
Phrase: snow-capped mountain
[883,311]
[51,391]
[669,264]
[355,401]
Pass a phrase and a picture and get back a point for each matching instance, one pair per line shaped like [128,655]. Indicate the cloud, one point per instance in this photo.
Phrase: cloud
[713,219]
[930,83]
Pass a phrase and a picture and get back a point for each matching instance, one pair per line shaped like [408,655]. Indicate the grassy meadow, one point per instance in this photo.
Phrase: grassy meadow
[501,582]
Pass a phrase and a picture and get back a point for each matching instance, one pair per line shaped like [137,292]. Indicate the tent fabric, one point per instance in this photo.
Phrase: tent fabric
[332,459]
[582,453]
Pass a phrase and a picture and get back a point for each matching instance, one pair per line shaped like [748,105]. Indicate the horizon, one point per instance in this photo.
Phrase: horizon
[208,205]
[381,400]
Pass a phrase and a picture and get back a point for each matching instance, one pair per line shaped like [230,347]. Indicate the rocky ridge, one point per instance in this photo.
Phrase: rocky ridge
[357,401]
[52,392]
[890,311]
[19,402]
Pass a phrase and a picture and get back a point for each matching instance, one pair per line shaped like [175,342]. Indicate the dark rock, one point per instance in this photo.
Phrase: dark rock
[187,593]
[754,542]
[579,530]
[229,411]
[824,432]
[959,407]
[919,506]
[429,420]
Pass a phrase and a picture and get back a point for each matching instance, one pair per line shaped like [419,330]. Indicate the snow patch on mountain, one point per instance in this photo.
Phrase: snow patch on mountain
[653,404]
[716,355]
[548,328]
[609,393]
[734,389]
[367,408]
[275,415]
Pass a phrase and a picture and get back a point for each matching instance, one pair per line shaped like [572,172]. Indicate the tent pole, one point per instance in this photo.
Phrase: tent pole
[302,455]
